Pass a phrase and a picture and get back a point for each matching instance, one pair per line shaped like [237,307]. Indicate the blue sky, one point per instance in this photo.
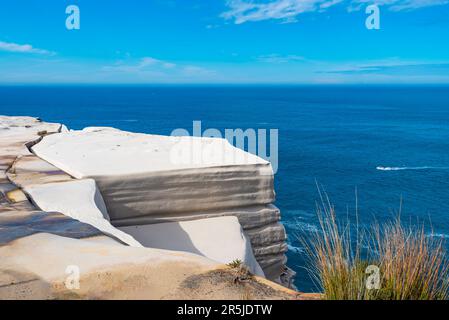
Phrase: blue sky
[224,41]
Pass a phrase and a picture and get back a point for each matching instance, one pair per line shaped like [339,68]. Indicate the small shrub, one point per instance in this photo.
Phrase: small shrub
[235,263]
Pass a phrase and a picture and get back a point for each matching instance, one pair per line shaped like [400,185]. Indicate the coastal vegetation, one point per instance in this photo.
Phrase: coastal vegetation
[235,263]
[389,261]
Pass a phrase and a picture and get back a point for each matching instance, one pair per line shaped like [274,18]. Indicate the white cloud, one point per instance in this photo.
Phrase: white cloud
[388,65]
[276,58]
[149,66]
[241,11]
[144,64]
[194,71]
[398,5]
[148,61]
[22,48]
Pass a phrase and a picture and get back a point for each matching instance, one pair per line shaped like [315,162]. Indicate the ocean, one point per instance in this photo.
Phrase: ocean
[388,145]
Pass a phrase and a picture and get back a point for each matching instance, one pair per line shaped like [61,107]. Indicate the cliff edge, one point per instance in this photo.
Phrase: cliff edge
[133,220]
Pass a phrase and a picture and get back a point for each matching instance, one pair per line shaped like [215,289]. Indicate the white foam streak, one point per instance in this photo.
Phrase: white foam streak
[410,168]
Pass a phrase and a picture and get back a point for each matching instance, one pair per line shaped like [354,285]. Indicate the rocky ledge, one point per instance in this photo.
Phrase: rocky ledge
[135,216]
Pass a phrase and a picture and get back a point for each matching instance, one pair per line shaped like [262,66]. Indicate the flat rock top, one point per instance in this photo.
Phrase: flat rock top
[26,126]
[18,217]
[19,224]
[107,152]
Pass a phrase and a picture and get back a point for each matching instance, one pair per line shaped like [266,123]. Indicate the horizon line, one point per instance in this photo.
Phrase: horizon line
[230,84]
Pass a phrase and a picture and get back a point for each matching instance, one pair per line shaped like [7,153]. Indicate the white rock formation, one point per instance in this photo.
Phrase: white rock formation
[35,267]
[220,239]
[37,247]
[141,175]
[27,128]
[80,200]
[146,179]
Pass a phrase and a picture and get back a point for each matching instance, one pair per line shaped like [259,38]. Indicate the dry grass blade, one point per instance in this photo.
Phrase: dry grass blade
[411,264]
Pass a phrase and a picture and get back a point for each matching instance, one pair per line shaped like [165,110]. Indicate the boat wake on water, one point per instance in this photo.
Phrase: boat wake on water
[410,168]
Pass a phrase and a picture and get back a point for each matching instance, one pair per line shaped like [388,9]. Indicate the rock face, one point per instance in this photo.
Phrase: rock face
[80,200]
[140,175]
[35,267]
[150,179]
[220,239]
[53,190]
[38,247]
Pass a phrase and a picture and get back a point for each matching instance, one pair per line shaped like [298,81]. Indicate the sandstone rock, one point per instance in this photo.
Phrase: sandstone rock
[141,175]
[80,200]
[37,247]
[35,267]
[266,235]
[150,179]
[143,180]
[249,217]
[219,239]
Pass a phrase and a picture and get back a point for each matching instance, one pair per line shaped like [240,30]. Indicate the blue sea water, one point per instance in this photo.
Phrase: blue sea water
[388,143]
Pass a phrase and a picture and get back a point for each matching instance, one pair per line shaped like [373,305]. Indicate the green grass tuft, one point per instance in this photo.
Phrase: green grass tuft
[237,263]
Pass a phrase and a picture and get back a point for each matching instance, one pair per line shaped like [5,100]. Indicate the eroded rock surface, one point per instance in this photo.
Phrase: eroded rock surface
[147,179]
[38,245]
[80,200]
[220,239]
